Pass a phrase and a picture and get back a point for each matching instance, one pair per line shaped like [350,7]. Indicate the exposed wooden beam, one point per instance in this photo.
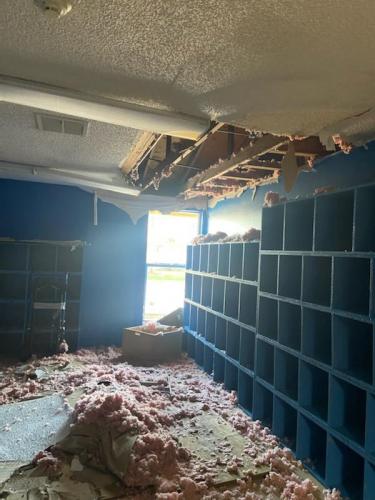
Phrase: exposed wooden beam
[259,147]
[142,145]
[174,163]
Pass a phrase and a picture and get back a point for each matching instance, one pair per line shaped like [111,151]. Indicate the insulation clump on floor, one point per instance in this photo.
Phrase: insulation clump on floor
[166,433]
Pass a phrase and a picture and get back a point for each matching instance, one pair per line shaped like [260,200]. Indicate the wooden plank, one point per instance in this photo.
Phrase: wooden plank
[142,145]
[261,146]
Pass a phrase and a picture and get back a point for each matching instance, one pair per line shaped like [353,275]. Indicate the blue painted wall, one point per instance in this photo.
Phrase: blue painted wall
[113,277]
[339,170]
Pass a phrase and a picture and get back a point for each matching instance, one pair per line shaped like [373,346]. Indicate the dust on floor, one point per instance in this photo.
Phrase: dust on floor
[167,433]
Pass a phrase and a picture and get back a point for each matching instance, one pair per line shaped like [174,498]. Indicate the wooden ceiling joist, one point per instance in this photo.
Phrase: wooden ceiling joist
[141,147]
[259,147]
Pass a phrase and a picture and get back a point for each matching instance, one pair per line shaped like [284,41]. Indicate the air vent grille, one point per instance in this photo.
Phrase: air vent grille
[61,124]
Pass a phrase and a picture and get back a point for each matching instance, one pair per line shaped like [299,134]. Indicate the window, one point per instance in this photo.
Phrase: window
[167,238]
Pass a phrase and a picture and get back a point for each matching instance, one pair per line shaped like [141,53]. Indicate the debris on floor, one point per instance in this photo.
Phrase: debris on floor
[167,433]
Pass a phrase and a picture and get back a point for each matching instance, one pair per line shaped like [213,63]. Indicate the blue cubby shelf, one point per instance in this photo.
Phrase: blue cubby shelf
[289,325]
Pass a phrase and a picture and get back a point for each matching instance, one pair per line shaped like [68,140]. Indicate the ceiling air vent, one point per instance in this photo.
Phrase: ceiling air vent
[61,124]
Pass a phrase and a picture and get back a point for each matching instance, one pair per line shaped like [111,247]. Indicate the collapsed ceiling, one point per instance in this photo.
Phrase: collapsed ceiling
[268,84]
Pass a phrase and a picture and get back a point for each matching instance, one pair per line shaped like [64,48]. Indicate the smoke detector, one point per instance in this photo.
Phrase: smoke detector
[55,8]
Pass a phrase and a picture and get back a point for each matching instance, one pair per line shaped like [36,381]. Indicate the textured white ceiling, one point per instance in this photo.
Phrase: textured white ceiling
[283,66]
[103,147]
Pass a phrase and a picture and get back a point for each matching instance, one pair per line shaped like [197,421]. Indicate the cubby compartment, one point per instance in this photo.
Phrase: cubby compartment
[347,413]
[370,427]
[299,225]
[203,262]
[365,220]
[250,261]
[351,284]
[263,405]
[245,391]
[218,287]
[219,367]
[236,260]
[353,348]
[74,287]
[187,315]
[13,257]
[233,341]
[334,222]
[345,470]
[290,325]
[201,322]
[193,318]
[12,317]
[312,446]
[265,361]
[213,257]
[224,253]
[285,422]
[208,360]
[290,273]
[273,227]
[317,280]
[69,259]
[197,288]
[231,299]
[13,286]
[267,324]
[221,333]
[207,291]
[286,373]
[231,376]
[189,257]
[43,258]
[188,285]
[369,483]
[210,327]
[199,352]
[248,304]
[268,273]
[317,335]
[190,345]
[247,349]
[313,390]
[196,257]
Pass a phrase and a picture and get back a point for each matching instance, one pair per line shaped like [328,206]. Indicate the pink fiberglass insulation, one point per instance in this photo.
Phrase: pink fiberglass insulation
[156,404]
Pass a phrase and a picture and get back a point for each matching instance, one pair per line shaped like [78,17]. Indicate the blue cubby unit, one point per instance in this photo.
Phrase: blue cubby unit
[197,288]
[312,446]
[351,288]
[353,348]
[196,256]
[345,468]
[201,322]
[199,352]
[210,327]
[207,291]
[203,262]
[224,254]
[221,333]
[236,260]
[267,321]
[364,238]
[272,228]
[290,272]
[193,323]
[232,290]
[263,404]
[218,288]
[219,367]
[290,325]
[208,360]
[213,258]
[299,225]
[245,391]
[247,349]
[285,422]
[286,373]
[313,390]
[231,376]
[317,280]
[248,304]
[347,410]
[268,273]
[265,361]
[317,335]
[250,261]
[233,341]
[334,222]
[188,285]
